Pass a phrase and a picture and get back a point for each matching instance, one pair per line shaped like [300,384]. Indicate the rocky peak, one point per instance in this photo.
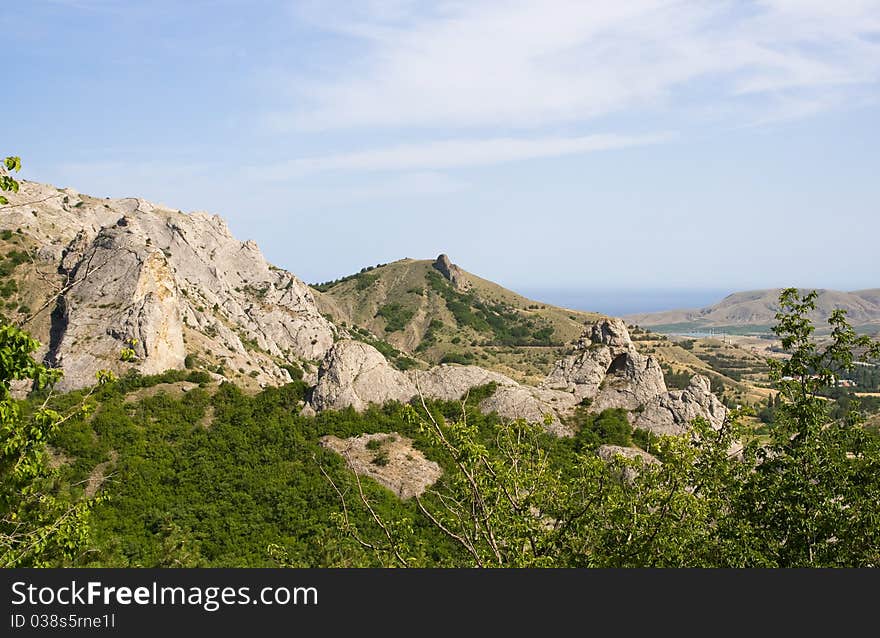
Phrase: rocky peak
[606,368]
[165,283]
[451,272]
[610,332]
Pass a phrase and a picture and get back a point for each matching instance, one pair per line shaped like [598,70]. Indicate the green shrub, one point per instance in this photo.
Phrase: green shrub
[463,358]
[295,372]
[396,316]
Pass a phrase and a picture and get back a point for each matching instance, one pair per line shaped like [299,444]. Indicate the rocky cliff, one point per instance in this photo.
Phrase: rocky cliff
[455,275]
[125,273]
[604,371]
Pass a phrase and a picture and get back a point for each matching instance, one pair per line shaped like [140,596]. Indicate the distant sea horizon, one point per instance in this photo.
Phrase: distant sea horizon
[625,302]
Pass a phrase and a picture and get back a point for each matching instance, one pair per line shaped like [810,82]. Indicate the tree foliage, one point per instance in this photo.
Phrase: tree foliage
[810,496]
[38,526]
[7,182]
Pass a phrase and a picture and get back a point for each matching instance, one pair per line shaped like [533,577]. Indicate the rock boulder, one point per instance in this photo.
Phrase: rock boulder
[673,412]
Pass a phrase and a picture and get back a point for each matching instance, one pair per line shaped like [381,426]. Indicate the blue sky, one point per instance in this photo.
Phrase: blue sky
[542,144]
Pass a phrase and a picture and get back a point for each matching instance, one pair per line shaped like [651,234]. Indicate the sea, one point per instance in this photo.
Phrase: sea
[617,303]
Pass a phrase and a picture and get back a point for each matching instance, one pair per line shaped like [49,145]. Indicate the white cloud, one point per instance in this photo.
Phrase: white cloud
[448,154]
[534,63]
[418,185]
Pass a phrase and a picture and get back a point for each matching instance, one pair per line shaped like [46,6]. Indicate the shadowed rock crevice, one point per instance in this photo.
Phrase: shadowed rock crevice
[57,327]
[618,365]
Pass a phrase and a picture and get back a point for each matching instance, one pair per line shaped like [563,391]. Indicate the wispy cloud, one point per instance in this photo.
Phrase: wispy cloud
[91,5]
[534,63]
[417,185]
[450,154]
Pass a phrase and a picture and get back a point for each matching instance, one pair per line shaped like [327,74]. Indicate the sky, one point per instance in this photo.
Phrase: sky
[543,144]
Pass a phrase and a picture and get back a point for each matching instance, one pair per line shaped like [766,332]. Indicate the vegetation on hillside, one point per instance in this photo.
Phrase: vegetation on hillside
[214,476]
[806,496]
[363,280]
[175,470]
[502,324]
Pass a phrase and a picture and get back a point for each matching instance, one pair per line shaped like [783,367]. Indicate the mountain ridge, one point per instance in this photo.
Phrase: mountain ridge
[758,308]
[439,312]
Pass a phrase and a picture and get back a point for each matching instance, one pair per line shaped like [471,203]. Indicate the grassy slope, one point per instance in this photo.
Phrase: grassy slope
[401,294]
[359,301]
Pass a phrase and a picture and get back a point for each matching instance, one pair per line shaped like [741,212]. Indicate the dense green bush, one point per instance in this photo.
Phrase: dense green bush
[396,316]
[503,324]
[463,358]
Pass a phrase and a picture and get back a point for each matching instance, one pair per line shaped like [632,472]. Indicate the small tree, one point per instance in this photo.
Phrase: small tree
[813,498]
[7,182]
[37,527]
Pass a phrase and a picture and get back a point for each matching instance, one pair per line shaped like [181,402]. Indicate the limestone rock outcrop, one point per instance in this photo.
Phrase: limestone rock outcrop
[172,284]
[117,267]
[355,374]
[631,380]
[453,273]
[672,412]
[606,368]
[533,405]
[449,382]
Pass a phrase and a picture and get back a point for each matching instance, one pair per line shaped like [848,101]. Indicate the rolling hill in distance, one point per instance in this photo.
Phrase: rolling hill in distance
[755,310]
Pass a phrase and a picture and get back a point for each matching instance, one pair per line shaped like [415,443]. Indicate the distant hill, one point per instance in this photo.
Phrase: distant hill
[756,310]
[438,312]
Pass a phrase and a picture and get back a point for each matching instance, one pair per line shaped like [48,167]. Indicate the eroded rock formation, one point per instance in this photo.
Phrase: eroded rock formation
[165,283]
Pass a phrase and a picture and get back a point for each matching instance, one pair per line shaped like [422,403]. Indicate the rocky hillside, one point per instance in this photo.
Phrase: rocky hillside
[438,312]
[603,371]
[757,309]
[433,311]
[124,284]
